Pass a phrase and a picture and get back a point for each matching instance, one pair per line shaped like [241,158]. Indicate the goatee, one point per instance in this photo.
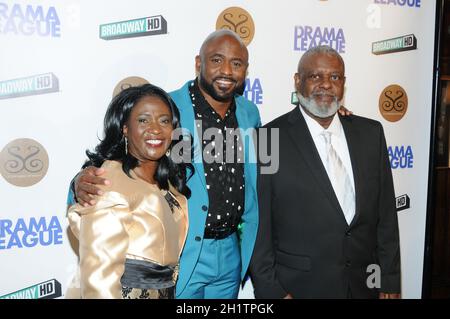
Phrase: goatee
[209,88]
[319,110]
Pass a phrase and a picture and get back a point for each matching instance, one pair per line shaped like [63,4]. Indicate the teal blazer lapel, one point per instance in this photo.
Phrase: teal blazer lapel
[184,104]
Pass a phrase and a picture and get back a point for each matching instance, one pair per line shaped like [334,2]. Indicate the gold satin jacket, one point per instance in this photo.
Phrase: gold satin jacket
[133,220]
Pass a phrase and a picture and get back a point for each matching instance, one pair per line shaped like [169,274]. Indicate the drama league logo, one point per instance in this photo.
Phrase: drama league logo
[393,103]
[129,82]
[29,20]
[23,162]
[400,3]
[238,20]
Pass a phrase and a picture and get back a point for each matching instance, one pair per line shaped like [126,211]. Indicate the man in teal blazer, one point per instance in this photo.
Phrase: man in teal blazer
[248,117]
[223,208]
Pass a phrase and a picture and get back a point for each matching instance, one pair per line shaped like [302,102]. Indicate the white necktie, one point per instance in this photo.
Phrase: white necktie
[340,180]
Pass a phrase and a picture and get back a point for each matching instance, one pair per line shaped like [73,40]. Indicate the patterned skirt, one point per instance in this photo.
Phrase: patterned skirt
[146,280]
[139,293]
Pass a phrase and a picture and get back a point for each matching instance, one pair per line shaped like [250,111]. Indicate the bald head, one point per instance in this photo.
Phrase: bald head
[217,36]
[321,49]
[221,67]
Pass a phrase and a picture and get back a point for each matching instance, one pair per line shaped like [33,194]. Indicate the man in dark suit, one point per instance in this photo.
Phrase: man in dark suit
[328,222]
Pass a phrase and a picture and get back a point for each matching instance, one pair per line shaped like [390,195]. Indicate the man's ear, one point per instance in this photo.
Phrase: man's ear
[198,64]
[297,81]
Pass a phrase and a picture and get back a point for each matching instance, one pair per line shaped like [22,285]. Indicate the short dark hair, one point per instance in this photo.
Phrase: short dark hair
[112,146]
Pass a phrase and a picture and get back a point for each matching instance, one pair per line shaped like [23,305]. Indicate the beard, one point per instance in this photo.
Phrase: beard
[209,88]
[322,110]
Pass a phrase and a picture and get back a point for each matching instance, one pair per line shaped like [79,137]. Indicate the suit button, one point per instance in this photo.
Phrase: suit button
[198,238]
[205,208]
[348,234]
[348,264]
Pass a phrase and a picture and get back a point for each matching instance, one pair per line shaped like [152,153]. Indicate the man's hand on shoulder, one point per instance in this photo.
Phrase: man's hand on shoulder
[344,111]
[86,185]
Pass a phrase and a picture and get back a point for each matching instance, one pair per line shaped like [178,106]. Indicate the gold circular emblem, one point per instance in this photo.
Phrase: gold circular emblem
[128,82]
[393,103]
[23,162]
[238,20]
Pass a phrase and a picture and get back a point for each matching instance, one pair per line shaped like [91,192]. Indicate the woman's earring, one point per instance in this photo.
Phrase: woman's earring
[168,152]
[126,146]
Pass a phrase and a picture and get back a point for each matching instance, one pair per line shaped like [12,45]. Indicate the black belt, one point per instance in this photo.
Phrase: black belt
[147,275]
[218,233]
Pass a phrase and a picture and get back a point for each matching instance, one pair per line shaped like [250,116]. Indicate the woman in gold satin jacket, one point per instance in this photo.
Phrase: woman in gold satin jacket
[131,239]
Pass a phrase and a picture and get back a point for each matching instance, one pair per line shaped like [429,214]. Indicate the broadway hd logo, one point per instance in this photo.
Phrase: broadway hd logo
[45,290]
[134,28]
[402,202]
[399,44]
[30,85]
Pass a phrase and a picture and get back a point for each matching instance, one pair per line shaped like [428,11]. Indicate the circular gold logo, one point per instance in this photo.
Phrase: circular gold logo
[128,82]
[23,162]
[238,20]
[393,103]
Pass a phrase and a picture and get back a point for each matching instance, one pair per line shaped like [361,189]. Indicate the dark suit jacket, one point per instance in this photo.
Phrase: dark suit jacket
[304,245]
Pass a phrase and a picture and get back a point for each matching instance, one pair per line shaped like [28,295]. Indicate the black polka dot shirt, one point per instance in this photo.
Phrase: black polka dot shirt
[224,178]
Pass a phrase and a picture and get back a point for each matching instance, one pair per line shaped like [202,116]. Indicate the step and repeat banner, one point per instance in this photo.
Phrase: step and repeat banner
[61,62]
